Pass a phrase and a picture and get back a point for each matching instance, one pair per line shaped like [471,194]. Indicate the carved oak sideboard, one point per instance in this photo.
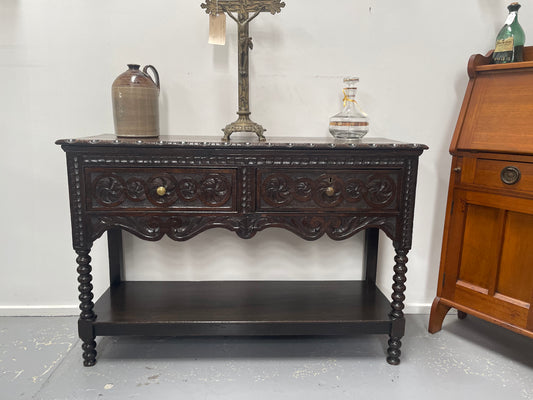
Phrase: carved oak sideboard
[181,186]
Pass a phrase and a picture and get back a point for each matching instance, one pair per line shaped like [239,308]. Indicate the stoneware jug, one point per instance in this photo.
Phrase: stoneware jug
[136,102]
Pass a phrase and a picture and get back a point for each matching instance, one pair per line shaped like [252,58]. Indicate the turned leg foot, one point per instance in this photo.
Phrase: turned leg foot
[89,353]
[394,351]
[438,312]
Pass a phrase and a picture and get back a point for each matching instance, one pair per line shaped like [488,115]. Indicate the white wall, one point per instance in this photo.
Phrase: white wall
[58,59]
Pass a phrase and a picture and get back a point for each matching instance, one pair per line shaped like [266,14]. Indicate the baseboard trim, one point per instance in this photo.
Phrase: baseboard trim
[417,308]
[38,311]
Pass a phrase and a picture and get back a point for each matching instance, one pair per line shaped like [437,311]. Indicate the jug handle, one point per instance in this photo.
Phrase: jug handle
[154,72]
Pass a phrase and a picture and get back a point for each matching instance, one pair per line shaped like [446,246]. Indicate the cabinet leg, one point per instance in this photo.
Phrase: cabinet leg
[461,314]
[394,351]
[87,315]
[371,254]
[438,312]
[397,305]
[89,353]
[116,258]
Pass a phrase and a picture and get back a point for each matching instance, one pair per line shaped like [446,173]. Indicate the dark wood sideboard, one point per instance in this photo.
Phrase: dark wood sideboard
[487,253]
[181,186]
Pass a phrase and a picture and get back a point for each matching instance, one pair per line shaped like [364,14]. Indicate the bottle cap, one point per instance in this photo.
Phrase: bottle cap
[351,79]
[513,7]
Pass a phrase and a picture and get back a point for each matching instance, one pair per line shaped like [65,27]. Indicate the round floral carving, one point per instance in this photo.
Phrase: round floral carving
[109,190]
[136,189]
[381,190]
[329,191]
[214,190]
[353,190]
[169,183]
[276,190]
[187,189]
[303,189]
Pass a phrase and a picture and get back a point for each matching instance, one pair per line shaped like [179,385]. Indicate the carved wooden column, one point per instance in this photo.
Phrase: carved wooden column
[87,314]
[82,245]
[397,316]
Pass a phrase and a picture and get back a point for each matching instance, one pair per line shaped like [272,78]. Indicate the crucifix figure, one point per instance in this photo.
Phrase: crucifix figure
[242,12]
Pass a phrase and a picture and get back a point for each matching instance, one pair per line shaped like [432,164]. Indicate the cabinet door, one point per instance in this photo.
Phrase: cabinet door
[489,256]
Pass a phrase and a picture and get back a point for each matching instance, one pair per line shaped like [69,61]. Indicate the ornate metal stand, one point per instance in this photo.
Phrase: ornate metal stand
[243,8]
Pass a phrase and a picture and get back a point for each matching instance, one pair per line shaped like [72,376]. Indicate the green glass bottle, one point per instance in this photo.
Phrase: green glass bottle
[510,39]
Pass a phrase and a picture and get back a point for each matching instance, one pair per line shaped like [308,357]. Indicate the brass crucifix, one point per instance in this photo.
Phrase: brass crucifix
[243,8]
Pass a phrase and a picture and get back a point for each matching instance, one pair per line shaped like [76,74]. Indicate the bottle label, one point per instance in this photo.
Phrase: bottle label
[504,50]
[504,45]
[510,18]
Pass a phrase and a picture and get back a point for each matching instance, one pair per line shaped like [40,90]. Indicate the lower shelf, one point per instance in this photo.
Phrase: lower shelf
[242,308]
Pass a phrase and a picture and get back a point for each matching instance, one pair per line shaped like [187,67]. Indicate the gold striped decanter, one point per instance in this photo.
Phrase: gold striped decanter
[352,122]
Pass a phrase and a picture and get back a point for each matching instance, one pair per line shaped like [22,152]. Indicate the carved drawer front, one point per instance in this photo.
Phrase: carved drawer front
[161,188]
[504,175]
[338,190]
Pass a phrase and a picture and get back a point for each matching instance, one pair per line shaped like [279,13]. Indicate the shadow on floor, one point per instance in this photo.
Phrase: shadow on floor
[485,335]
[259,347]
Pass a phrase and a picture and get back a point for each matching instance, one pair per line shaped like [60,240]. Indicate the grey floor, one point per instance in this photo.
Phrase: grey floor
[40,358]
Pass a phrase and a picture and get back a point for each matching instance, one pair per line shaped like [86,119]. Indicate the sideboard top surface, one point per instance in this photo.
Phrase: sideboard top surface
[177,141]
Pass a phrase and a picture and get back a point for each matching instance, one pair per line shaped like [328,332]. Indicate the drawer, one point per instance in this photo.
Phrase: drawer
[334,190]
[505,175]
[161,188]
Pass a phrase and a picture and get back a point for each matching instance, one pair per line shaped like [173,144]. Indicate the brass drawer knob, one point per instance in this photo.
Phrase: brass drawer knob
[161,191]
[330,191]
[510,175]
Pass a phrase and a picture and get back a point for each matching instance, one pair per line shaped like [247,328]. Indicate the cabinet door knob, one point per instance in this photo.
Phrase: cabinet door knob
[330,191]
[457,169]
[510,175]
[161,191]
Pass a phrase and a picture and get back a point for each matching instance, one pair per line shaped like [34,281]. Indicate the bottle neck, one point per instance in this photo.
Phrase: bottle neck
[512,18]
[349,97]
[515,29]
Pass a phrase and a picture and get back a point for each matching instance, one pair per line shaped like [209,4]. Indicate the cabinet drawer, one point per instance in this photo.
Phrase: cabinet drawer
[160,188]
[504,175]
[333,190]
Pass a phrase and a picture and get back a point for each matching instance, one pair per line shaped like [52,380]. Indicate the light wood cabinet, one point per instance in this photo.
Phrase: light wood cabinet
[486,265]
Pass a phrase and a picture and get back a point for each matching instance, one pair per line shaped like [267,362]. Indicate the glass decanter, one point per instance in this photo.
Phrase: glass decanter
[352,122]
